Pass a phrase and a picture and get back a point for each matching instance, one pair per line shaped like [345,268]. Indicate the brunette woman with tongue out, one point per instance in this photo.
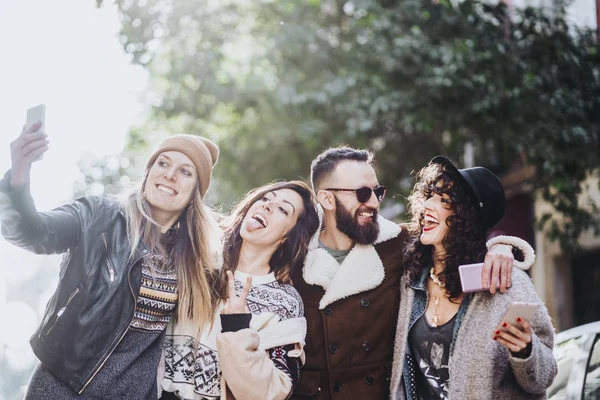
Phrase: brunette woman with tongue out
[129,266]
[255,349]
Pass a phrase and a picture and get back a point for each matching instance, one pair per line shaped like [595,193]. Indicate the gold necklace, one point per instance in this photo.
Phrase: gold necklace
[435,319]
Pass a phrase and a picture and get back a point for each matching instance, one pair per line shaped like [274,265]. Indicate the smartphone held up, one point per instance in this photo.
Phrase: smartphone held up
[37,114]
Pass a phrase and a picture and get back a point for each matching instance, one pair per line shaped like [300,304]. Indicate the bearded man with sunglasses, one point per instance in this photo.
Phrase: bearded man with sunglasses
[350,282]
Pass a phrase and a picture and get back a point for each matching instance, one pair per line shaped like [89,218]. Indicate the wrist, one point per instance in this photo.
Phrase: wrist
[499,247]
[515,242]
[10,184]
[17,185]
[235,322]
[525,353]
[17,182]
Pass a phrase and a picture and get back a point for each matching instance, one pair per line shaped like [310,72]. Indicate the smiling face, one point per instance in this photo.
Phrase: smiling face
[356,220]
[170,185]
[436,211]
[271,217]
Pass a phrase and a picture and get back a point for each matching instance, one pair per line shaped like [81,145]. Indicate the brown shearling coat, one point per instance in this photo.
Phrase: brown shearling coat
[351,311]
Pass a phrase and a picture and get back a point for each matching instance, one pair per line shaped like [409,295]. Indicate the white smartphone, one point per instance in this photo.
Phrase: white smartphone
[471,277]
[35,114]
[516,310]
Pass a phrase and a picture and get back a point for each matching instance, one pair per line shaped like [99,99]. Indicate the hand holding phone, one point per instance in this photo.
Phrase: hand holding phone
[37,114]
[470,277]
[514,329]
[28,147]
[515,311]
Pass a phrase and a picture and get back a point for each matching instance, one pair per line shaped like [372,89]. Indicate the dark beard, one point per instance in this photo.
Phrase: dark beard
[348,224]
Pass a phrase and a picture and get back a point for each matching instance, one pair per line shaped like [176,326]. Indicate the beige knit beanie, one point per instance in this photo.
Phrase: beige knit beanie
[201,151]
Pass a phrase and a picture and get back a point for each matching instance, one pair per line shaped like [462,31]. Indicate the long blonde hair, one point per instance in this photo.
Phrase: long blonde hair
[195,255]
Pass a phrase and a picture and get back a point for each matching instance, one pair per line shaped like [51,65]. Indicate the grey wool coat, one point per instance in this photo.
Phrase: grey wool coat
[481,368]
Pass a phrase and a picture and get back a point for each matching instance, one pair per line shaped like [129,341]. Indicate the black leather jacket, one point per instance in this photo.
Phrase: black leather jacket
[94,302]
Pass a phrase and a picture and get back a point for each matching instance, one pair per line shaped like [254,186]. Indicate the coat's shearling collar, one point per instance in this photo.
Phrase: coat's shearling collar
[362,269]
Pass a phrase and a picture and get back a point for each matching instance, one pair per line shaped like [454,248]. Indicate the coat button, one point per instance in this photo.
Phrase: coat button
[370,379]
[364,302]
[333,348]
[328,310]
[366,345]
[337,387]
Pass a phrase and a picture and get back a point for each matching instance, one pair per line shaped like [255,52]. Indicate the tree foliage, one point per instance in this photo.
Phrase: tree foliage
[276,81]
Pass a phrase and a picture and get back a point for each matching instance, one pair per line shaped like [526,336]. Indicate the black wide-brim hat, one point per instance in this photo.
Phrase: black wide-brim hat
[484,187]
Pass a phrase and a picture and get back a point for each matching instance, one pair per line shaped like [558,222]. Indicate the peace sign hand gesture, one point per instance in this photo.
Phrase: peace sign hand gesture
[235,304]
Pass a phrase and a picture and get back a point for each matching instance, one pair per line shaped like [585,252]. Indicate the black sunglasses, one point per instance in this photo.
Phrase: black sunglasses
[363,194]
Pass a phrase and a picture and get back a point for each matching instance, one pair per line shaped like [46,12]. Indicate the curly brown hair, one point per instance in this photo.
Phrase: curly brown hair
[464,242]
[290,255]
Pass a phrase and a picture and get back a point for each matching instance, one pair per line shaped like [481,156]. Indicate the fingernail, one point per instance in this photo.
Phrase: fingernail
[519,319]
[497,332]
[504,324]
[494,337]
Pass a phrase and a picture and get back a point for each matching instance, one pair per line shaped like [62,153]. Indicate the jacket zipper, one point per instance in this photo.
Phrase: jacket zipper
[60,312]
[111,270]
[124,332]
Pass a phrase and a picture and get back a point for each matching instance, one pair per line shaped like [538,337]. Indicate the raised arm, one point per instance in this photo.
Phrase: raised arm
[22,225]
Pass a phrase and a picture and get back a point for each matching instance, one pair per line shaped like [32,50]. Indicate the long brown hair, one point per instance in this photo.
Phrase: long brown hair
[464,242]
[194,253]
[291,253]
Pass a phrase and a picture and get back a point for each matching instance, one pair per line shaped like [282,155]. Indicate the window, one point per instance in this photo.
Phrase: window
[592,375]
[565,354]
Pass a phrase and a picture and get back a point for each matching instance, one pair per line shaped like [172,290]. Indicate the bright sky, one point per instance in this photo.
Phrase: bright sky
[64,54]
[581,13]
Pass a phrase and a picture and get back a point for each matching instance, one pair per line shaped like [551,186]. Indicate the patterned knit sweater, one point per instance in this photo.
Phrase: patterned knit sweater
[130,371]
[191,366]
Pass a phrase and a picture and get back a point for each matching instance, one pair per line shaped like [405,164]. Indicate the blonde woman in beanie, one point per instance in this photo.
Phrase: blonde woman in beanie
[128,267]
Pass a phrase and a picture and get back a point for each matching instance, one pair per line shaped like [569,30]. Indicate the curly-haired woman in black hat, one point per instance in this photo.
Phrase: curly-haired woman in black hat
[452,346]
